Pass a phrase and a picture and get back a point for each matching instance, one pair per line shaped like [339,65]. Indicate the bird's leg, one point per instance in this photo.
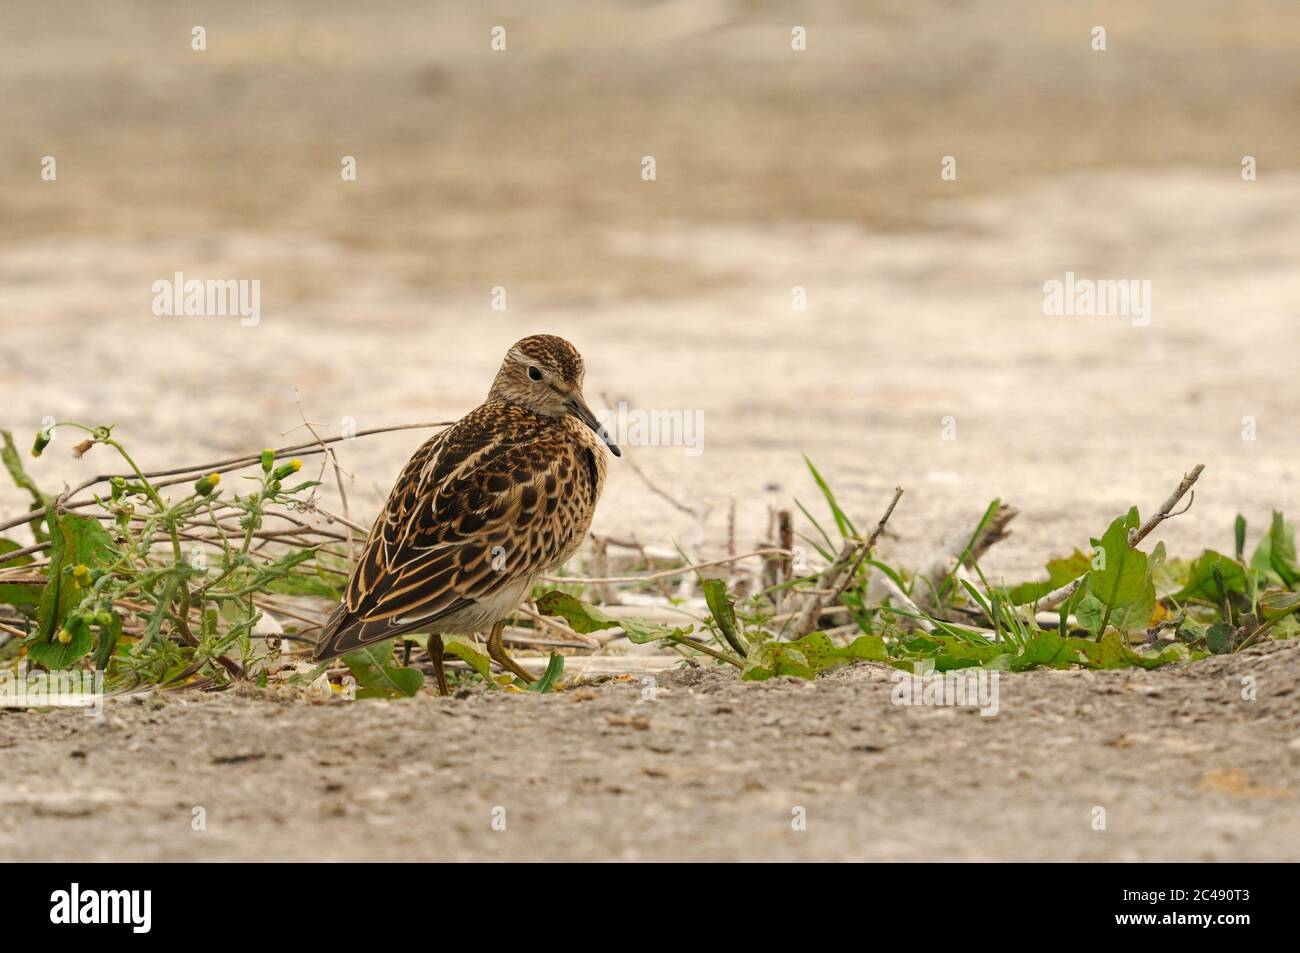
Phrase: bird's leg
[498,653]
[435,653]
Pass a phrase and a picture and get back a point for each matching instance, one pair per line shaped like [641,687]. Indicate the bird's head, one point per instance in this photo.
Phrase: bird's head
[543,373]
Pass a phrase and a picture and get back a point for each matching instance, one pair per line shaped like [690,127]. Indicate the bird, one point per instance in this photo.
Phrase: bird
[483,509]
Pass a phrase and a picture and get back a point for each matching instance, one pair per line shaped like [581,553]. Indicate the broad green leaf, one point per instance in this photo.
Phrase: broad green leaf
[1120,592]
[56,655]
[1113,651]
[809,655]
[12,594]
[1276,604]
[1109,652]
[376,678]
[464,649]
[1218,638]
[1090,611]
[1045,648]
[74,540]
[10,546]
[585,619]
[1168,656]
[1201,583]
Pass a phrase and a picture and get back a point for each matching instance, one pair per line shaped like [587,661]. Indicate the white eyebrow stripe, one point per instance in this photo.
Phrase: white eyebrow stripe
[517,355]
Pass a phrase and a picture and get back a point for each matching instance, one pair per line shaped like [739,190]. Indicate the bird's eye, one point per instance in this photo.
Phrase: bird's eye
[534,374]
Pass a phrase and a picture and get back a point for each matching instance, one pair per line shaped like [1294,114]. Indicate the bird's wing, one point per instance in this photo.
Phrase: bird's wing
[483,504]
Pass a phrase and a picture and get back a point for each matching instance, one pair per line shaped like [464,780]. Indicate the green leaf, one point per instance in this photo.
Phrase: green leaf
[1113,651]
[1190,630]
[55,654]
[1218,638]
[724,613]
[842,521]
[12,594]
[74,540]
[949,652]
[1045,648]
[585,619]
[464,649]
[11,546]
[1277,604]
[1239,537]
[554,669]
[809,655]
[1121,592]
[1090,611]
[1174,653]
[1281,539]
[1261,559]
[1201,582]
[1059,572]
[376,678]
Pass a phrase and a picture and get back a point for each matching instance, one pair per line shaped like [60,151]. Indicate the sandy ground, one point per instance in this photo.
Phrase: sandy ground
[709,769]
[775,169]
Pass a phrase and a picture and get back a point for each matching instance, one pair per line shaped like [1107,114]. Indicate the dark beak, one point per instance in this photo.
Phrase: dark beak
[578,407]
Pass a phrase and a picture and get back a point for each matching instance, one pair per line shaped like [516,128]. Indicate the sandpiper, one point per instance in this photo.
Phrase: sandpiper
[482,510]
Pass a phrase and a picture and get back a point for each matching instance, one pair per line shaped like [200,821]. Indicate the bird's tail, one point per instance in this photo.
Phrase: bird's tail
[327,643]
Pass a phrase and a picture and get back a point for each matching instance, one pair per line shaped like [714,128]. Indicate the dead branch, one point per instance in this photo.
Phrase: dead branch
[961,550]
[1136,536]
[1059,596]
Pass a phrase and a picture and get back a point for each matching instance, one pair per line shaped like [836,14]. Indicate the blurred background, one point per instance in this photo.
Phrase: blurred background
[775,168]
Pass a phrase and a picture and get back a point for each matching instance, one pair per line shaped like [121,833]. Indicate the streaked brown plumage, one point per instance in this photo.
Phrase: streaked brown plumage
[483,508]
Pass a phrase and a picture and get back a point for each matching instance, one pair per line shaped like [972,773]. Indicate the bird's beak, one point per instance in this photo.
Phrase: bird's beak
[578,407]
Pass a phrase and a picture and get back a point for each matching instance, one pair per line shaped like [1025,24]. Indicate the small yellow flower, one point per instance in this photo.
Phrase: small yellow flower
[64,636]
[81,574]
[203,485]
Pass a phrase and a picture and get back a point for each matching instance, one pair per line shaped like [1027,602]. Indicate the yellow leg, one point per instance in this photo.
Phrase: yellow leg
[435,653]
[498,653]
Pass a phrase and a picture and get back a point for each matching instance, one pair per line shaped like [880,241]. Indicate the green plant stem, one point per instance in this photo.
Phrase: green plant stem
[720,656]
